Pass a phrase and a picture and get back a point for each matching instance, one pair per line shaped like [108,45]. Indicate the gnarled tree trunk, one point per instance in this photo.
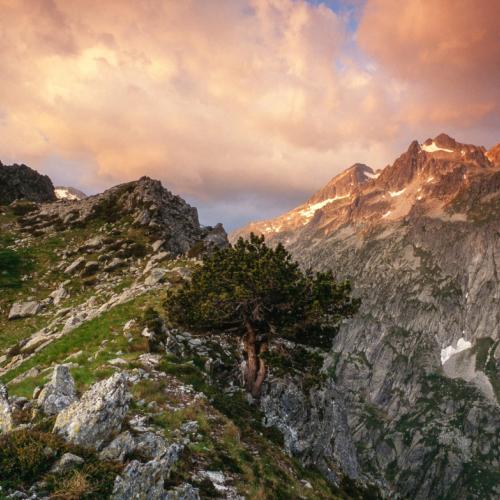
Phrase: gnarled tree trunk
[255,372]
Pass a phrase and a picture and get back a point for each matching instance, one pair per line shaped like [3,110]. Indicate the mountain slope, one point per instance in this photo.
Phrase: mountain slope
[419,365]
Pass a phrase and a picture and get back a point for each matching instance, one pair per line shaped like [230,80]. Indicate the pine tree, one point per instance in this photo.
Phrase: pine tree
[259,292]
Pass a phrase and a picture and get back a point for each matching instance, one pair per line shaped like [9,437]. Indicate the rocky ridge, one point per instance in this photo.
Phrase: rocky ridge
[21,182]
[107,400]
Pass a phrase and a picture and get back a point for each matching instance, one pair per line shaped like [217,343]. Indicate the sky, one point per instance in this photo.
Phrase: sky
[242,107]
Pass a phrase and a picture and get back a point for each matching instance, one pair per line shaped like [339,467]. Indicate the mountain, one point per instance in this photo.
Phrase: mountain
[68,193]
[21,182]
[107,400]
[418,367]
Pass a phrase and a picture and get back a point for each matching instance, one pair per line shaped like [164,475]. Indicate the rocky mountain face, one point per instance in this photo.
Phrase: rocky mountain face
[418,367]
[19,181]
[99,398]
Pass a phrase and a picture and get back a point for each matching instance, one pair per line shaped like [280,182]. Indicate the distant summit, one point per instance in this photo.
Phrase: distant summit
[69,193]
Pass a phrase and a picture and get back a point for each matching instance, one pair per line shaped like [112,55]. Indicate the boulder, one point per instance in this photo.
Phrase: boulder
[59,393]
[115,264]
[66,463]
[98,415]
[119,448]
[75,266]
[156,275]
[141,481]
[59,294]
[90,268]
[6,421]
[185,491]
[146,481]
[21,310]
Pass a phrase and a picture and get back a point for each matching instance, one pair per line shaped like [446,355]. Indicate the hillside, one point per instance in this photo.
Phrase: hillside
[101,399]
[419,365]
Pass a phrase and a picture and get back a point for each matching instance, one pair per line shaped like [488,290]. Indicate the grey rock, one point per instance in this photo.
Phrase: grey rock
[156,275]
[185,491]
[21,310]
[66,463]
[141,481]
[98,415]
[6,420]
[75,266]
[21,182]
[119,448]
[59,294]
[115,264]
[59,393]
[90,268]
[314,425]
[157,245]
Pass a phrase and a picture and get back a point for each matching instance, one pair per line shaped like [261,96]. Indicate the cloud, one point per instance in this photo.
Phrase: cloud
[230,100]
[448,53]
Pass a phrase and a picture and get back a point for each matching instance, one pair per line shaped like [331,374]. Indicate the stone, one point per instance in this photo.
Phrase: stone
[59,393]
[156,276]
[185,491]
[141,481]
[59,294]
[21,310]
[157,245]
[151,445]
[75,266]
[90,268]
[98,415]
[115,264]
[6,420]
[66,463]
[119,448]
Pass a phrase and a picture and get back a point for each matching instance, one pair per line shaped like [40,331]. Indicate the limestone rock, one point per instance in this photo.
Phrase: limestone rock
[59,294]
[99,414]
[59,393]
[141,481]
[156,275]
[119,448]
[67,462]
[75,266]
[6,421]
[21,310]
[185,491]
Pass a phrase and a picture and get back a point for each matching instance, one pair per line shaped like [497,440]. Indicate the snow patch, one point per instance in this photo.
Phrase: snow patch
[396,193]
[450,351]
[372,176]
[64,194]
[311,209]
[386,214]
[433,147]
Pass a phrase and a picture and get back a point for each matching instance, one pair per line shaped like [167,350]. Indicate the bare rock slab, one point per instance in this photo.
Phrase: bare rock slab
[98,415]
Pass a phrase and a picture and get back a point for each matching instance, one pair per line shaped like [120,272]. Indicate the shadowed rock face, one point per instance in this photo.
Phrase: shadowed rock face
[146,203]
[421,243]
[20,181]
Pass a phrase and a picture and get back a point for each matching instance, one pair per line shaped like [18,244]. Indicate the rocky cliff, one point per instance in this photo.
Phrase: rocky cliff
[419,365]
[21,182]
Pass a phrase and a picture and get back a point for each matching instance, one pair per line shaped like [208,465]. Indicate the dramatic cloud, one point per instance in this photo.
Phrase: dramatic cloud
[233,103]
[447,52]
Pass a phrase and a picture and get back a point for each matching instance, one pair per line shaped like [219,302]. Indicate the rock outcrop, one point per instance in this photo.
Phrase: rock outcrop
[59,393]
[21,310]
[21,182]
[98,415]
[6,421]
